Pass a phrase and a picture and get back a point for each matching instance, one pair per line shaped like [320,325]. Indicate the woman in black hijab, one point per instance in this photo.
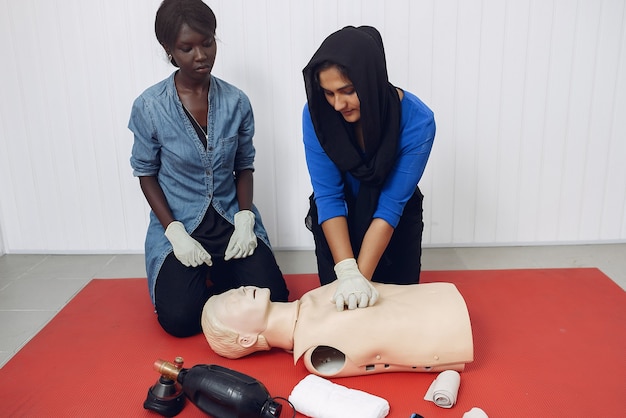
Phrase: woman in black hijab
[366,144]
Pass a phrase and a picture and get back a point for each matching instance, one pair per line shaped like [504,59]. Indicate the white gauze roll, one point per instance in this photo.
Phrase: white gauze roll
[317,397]
[444,389]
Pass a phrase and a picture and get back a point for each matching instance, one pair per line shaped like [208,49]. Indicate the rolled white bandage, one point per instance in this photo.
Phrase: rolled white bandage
[444,389]
[317,397]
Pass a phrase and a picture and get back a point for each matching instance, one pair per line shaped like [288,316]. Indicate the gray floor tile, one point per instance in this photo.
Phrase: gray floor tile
[123,266]
[48,294]
[69,267]
[15,265]
[296,262]
[497,258]
[18,327]
[4,283]
[5,356]
[441,259]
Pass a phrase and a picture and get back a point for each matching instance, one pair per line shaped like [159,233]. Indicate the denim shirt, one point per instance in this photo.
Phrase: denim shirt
[192,177]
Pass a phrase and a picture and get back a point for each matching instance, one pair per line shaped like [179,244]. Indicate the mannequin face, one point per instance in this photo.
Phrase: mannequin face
[243,310]
[340,94]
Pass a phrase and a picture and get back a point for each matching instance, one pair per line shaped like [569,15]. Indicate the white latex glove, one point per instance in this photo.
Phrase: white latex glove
[243,241]
[353,289]
[188,251]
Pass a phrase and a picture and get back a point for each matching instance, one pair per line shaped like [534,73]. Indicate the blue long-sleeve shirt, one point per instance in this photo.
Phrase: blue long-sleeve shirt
[417,133]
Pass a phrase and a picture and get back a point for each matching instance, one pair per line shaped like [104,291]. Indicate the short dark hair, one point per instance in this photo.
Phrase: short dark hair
[172,14]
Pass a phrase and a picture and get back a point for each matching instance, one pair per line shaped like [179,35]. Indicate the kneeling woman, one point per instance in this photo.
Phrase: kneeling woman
[194,157]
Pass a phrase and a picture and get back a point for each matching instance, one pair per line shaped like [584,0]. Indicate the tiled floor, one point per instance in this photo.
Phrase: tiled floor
[33,288]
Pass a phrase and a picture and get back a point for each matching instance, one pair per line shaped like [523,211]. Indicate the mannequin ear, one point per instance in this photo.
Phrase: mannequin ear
[247,341]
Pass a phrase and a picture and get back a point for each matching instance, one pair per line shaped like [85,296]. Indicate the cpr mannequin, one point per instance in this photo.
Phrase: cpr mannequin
[411,328]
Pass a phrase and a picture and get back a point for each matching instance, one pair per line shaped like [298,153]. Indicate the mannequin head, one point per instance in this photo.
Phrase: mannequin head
[233,322]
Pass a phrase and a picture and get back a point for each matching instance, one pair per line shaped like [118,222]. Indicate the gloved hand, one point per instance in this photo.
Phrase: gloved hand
[353,289]
[188,251]
[243,241]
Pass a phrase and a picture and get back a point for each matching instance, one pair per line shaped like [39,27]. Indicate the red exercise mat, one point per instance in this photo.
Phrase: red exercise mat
[548,343]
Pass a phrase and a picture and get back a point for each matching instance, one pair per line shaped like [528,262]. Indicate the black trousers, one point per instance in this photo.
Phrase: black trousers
[401,261]
[181,292]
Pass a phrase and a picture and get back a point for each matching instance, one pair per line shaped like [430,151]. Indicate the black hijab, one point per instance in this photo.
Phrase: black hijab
[361,53]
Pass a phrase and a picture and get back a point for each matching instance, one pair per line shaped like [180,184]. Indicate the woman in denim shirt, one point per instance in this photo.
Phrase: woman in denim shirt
[194,157]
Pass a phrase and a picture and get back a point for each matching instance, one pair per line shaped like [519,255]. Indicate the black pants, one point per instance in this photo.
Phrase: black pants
[401,261]
[181,292]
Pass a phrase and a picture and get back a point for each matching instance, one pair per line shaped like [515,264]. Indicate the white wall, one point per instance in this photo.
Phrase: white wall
[529,98]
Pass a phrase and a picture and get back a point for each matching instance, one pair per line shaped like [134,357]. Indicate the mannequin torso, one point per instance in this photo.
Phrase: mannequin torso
[416,328]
